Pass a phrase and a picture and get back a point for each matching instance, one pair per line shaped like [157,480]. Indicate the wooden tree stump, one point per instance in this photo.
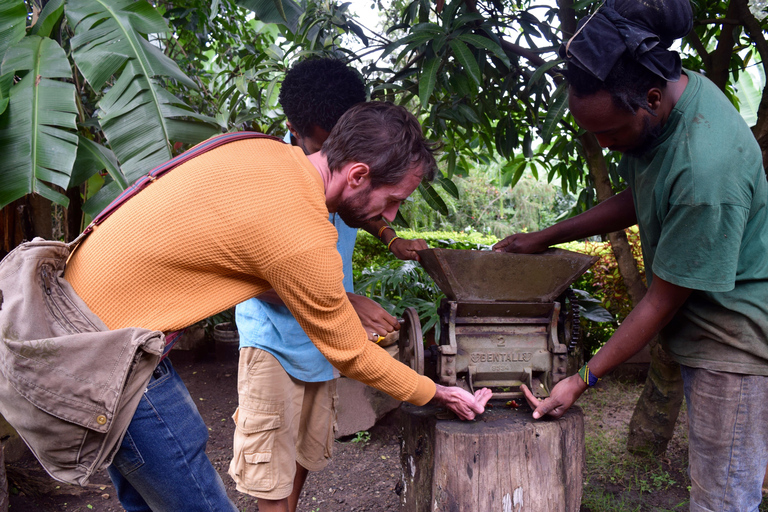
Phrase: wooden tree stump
[504,461]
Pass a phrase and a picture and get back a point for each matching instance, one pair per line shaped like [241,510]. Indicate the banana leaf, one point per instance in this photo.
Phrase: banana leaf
[138,116]
[37,138]
[13,18]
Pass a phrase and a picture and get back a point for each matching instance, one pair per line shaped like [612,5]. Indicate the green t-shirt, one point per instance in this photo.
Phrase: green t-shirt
[700,195]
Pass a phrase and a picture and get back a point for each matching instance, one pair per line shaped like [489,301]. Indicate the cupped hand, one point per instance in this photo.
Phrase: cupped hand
[374,318]
[563,395]
[405,249]
[524,243]
[462,402]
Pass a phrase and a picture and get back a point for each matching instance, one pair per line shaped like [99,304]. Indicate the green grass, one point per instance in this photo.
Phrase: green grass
[618,481]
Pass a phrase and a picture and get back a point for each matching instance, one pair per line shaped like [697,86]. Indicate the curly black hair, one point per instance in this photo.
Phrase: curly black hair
[317,92]
[628,83]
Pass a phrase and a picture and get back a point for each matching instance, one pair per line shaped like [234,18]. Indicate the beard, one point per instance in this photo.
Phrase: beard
[647,139]
[353,211]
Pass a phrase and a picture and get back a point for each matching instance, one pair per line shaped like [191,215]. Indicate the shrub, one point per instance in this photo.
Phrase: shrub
[371,253]
[604,282]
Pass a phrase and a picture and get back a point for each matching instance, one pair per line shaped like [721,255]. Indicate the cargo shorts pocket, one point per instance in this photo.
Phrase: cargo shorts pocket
[334,421]
[255,432]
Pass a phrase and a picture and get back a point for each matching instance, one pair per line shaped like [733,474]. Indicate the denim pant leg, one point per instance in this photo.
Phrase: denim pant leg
[161,465]
[727,439]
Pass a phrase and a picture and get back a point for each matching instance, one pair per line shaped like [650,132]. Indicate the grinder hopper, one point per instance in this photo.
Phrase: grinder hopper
[501,276]
[506,319]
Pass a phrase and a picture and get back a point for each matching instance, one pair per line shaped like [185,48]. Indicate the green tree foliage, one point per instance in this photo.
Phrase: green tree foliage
[142,80]
[86,84]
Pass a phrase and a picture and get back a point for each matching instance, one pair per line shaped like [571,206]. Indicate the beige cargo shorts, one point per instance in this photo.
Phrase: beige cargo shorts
[280,421]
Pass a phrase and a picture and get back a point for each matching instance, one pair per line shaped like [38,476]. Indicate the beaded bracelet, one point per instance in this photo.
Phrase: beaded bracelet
[587,376]
[392,240]
[382,229]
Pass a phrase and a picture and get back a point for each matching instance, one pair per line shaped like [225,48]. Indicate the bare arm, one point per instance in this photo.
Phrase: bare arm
[374,318]
[655,311]
[613,214]
[402,248]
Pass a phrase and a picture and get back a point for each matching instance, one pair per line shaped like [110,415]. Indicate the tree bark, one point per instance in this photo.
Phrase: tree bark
[718,63]
[653,421]
[24,219]
[10,223]
[755,31]
[505,460]
[3,482]
[73,215]
[619,244]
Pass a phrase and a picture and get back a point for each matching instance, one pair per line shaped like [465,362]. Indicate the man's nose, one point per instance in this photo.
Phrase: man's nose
[390,212]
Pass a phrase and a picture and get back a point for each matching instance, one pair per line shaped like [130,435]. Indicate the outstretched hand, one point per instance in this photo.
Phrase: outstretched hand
[524,243]
[462,402]
[563,395]
[405,249]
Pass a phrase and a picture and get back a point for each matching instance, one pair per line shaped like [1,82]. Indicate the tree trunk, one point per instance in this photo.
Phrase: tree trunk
[24,219]
[619,244]
[73,215]
[10,223]
[3,482]
[718,63]
[656,412]
[505,460]
[754,29]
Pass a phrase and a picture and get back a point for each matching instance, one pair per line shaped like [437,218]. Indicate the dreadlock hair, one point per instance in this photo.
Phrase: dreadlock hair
[317,92]
[384,136]
[628,83]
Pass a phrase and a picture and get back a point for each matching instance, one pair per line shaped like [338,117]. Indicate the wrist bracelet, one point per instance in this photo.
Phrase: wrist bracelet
[392,240]
[587,376]
[382,229]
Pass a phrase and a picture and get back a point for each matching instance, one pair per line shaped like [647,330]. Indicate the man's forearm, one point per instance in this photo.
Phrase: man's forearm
[657,308]
[377,228]
[613,214]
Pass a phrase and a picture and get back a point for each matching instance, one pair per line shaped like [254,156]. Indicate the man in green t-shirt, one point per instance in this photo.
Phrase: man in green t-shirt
[698,191]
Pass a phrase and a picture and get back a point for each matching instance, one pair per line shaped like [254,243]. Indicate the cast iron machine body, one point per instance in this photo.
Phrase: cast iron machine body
[507,319]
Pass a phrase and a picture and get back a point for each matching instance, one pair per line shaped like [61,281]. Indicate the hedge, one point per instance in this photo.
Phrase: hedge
[370,252]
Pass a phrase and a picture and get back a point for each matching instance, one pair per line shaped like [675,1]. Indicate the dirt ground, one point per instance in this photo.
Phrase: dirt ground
[365,475]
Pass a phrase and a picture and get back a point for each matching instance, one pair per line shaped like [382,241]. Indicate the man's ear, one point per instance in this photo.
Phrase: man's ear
[654,98]
[358,174]
[291,129]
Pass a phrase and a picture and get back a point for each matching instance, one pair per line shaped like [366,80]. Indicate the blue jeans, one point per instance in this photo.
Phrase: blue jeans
[727,439]
[161,465]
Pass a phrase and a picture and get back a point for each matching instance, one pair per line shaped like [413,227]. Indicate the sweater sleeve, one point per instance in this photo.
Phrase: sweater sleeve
[310,284]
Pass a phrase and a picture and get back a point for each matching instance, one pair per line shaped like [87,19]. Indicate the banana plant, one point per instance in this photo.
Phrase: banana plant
[81,92]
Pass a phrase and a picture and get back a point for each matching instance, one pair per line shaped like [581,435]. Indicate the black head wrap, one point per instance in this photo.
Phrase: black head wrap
[644,28]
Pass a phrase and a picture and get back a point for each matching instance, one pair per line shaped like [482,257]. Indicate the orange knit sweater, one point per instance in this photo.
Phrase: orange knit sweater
[221,228]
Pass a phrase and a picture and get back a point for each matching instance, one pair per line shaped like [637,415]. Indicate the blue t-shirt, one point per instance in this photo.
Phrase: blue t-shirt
[274,329]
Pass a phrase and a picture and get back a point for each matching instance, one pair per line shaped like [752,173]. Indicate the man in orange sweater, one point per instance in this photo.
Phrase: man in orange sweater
[228,225]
